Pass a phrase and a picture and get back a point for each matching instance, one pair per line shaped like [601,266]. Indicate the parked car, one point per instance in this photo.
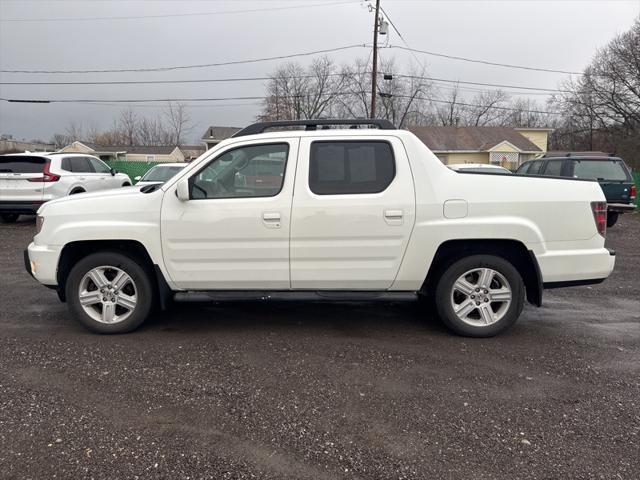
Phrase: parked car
[611,172]
[357,214]
[159,174]
[28,180]
[479,168]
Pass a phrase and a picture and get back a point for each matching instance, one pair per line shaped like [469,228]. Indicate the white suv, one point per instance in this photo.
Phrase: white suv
[27,180]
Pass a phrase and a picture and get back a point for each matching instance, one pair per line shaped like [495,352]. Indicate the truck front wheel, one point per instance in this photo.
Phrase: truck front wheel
[108,292]
[480,296]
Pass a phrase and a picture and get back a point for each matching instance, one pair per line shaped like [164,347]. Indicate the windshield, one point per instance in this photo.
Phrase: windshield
[21,164]
[160,174]
[600,170]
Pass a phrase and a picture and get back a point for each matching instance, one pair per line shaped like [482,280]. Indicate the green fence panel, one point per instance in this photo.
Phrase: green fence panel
[133,169]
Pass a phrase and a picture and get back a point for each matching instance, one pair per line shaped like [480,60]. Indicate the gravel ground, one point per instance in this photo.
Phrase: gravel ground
[322,391]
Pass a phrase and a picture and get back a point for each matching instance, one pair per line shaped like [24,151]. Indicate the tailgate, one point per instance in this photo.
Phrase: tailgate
[617,192]
[17,175]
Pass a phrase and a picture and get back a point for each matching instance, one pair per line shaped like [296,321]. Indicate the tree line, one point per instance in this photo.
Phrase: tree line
[598,110]
[324,89]
[171,127]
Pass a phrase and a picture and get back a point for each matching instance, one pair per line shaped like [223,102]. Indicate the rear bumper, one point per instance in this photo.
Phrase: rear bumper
[575,267]
[24,208]
[42,263]
[620,207]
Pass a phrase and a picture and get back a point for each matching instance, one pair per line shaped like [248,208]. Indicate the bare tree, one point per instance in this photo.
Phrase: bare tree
[450,112]
[294,92]
[60,140]
[602,108]
[486,108]
[74,130]
[178,122]
[128,126]
[151,131]
[403,98]
[357,83]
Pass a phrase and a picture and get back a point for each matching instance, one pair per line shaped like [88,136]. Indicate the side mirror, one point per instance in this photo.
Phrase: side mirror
[182,190]
[137,179]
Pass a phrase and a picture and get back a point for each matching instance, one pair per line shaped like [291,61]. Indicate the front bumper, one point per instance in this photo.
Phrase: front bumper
[23,208]
[621,207]
[42,263]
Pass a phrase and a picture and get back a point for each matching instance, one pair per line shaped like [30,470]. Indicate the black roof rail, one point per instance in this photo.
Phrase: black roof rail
[260,127]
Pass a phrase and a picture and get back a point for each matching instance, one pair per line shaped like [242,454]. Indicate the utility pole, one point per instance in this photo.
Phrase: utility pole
[374,70]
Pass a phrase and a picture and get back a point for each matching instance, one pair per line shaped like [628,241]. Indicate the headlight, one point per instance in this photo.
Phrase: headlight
[39,223]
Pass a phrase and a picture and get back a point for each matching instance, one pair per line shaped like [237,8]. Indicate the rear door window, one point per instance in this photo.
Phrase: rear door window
[554,168]
[79,165]
[524,168]
[21,164]
[612,170]
[347,167]
[535,167]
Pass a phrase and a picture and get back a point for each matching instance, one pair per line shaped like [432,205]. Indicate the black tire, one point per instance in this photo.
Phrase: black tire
[126,185]
[457,269]
[612,218]
[77,190]
[140,276]
[9,217]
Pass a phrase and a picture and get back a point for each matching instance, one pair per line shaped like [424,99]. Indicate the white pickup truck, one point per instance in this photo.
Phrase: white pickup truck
[304,212]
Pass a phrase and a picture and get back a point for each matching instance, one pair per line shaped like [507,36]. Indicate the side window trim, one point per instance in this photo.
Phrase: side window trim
[393,160]
[193,176]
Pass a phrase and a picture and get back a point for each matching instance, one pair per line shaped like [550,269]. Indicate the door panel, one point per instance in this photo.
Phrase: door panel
[103,178]
[231,243]
[350,241]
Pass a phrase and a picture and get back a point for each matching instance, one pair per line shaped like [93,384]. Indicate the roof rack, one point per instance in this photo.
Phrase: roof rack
[313,125]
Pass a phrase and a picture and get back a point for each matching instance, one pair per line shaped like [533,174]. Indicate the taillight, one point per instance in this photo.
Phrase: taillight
[634,193]
[47,176]
[600,216]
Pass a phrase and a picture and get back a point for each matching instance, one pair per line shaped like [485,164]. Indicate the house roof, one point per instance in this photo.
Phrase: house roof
[139,149]
[219,133]
[471,138]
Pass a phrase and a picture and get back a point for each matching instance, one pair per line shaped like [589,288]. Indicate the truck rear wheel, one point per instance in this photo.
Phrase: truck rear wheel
[612,218]
[108,292]
[480,296]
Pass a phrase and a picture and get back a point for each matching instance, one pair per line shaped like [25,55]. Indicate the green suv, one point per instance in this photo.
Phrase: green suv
[611,172]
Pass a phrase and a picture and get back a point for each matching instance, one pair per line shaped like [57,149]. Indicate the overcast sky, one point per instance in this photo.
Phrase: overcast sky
[560,35]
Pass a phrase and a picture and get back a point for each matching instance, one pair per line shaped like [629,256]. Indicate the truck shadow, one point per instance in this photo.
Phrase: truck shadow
[349,318]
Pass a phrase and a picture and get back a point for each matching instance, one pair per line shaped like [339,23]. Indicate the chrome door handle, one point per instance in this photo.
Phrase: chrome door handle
[393,214]
[393,217]
[271,219]
[271,216]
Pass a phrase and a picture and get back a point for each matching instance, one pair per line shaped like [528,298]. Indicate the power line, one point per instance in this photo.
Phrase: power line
[173,15]
[484,62]
[393,25]
[265,78]
[218,99]
[501,85]
[205,65]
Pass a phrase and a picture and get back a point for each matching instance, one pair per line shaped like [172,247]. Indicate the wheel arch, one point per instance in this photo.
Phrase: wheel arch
[72,252]
[511,250]
[77,189]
